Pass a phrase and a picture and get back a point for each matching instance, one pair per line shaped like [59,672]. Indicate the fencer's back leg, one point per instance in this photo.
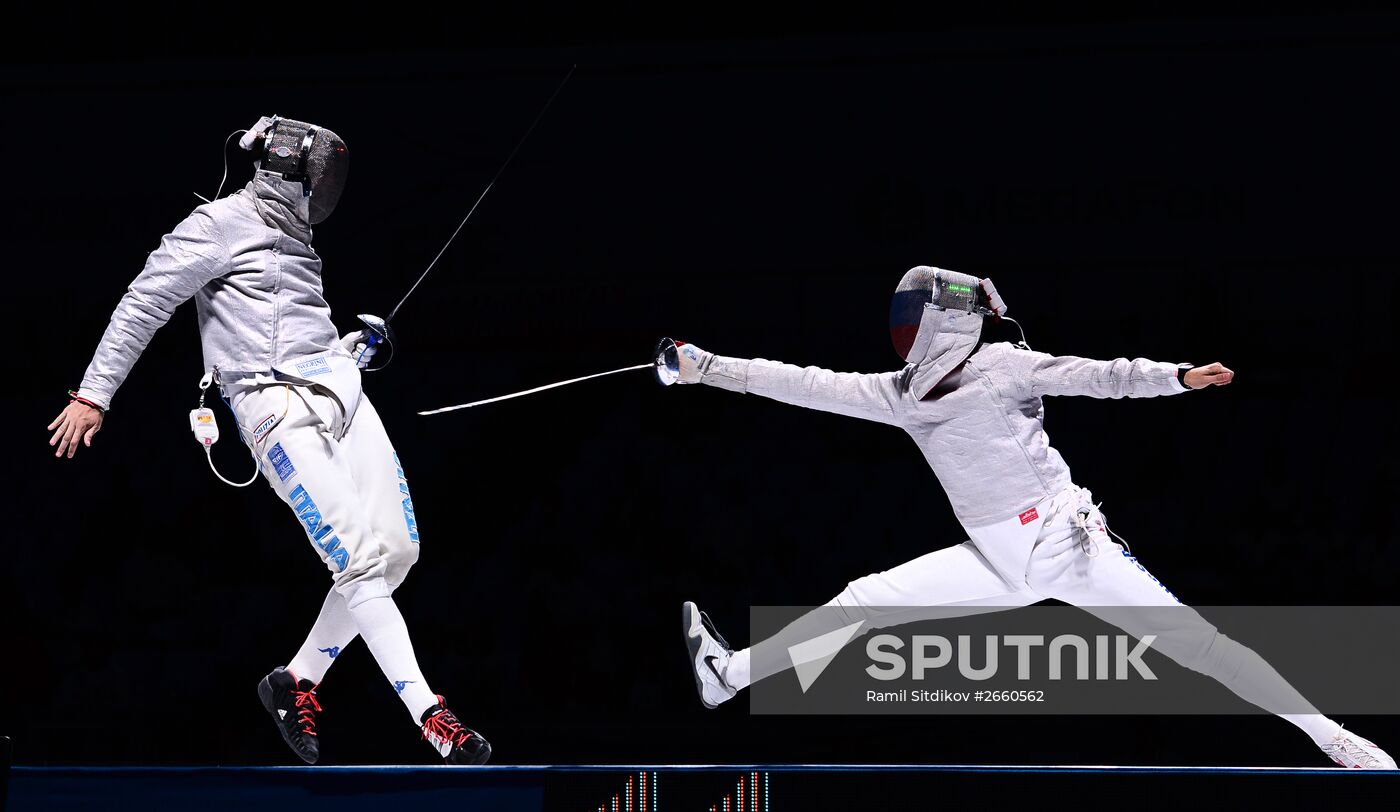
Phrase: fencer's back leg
[952,582]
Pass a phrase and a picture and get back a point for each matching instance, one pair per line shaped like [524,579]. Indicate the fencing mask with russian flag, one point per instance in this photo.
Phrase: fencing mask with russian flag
[936,319]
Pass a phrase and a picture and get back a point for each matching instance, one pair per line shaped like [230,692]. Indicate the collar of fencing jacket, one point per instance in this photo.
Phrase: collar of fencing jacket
[282,204]
[945,339]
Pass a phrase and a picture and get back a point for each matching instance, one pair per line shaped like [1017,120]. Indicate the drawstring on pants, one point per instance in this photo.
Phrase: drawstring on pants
[1082,518]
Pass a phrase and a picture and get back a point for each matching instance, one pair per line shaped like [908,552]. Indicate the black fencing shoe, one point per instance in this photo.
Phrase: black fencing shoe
[454,742]
[293,706]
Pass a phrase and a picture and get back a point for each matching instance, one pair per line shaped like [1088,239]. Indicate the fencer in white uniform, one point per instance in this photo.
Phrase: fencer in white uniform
[976,412]
[294,389]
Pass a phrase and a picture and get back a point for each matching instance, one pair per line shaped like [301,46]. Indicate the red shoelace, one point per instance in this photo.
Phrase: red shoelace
[445,727]
[306,700]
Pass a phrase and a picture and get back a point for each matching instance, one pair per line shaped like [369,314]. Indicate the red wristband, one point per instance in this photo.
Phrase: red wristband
[72,395]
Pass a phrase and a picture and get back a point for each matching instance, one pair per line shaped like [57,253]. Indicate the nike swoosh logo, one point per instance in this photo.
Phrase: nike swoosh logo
[710,661]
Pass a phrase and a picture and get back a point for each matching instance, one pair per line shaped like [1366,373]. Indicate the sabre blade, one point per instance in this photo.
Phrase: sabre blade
[482,196]
[536,389]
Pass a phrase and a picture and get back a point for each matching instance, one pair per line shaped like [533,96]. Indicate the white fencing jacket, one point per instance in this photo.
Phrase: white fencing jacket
[981,427]
[247,261]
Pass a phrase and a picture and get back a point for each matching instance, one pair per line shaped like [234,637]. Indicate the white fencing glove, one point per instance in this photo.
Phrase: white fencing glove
[357,344]
[693,362]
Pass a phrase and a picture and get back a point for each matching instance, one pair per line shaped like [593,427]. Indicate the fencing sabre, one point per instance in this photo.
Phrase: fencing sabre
[378,329]
[665,364]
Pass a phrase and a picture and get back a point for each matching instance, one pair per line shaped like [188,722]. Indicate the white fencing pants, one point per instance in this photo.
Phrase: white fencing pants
[1073,559]
[348,492]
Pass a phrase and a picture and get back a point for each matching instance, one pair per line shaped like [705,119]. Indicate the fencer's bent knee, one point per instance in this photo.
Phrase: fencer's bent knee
[363,587]
[857,604]
[843,603]
[863,591]
[403,558]
[399,561]
[850,603]
[366,577]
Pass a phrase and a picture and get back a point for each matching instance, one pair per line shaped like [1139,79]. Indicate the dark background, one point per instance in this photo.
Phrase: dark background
[1182,188]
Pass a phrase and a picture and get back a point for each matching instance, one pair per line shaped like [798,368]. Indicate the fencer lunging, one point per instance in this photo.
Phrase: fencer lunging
[293,387]
[976,412]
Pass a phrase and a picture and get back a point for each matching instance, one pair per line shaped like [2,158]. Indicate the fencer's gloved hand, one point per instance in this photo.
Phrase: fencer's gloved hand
[357,344]
[693,361]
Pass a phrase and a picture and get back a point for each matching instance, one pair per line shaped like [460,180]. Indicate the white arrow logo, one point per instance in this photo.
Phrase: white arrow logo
[811,658]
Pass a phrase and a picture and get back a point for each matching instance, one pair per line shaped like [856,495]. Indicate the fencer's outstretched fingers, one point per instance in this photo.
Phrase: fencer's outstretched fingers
[59,423]
[66,445]
[1210,375]
[73,439]
[352,342]
[1218,374]
[87,435]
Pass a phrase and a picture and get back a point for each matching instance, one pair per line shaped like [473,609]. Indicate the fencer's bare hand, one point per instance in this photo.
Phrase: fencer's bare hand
[78,421]
[1216,374]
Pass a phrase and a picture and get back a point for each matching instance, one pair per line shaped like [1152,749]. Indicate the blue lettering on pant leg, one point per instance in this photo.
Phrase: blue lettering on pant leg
[306,509]
[408,516]
[322,534]
[1133,559]
[281,463]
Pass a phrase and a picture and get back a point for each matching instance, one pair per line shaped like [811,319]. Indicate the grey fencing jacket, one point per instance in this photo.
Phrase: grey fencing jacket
[247,261]
[981,427]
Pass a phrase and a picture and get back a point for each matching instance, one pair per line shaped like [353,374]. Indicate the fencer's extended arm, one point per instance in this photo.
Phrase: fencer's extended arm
[1044,374]
[188,259]
[867,396]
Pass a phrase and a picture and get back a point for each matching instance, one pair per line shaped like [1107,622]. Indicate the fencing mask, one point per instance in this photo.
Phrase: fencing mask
[305,153]
[936,320]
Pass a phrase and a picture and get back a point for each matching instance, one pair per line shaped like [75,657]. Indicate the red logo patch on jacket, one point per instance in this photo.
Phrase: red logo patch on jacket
[1029,516]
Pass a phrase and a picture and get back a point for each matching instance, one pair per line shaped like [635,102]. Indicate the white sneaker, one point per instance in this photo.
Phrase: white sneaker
[709,656]
[1352,751]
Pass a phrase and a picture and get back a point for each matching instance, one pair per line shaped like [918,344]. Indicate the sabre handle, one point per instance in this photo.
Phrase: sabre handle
[377,331]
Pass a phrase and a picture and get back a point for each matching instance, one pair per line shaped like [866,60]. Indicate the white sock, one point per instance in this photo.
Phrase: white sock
[333,631]
[386,634]
[736,674]
[1319,727]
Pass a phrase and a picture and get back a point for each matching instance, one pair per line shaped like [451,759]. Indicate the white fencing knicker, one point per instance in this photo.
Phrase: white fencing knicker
[342,480]
[1060,549]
